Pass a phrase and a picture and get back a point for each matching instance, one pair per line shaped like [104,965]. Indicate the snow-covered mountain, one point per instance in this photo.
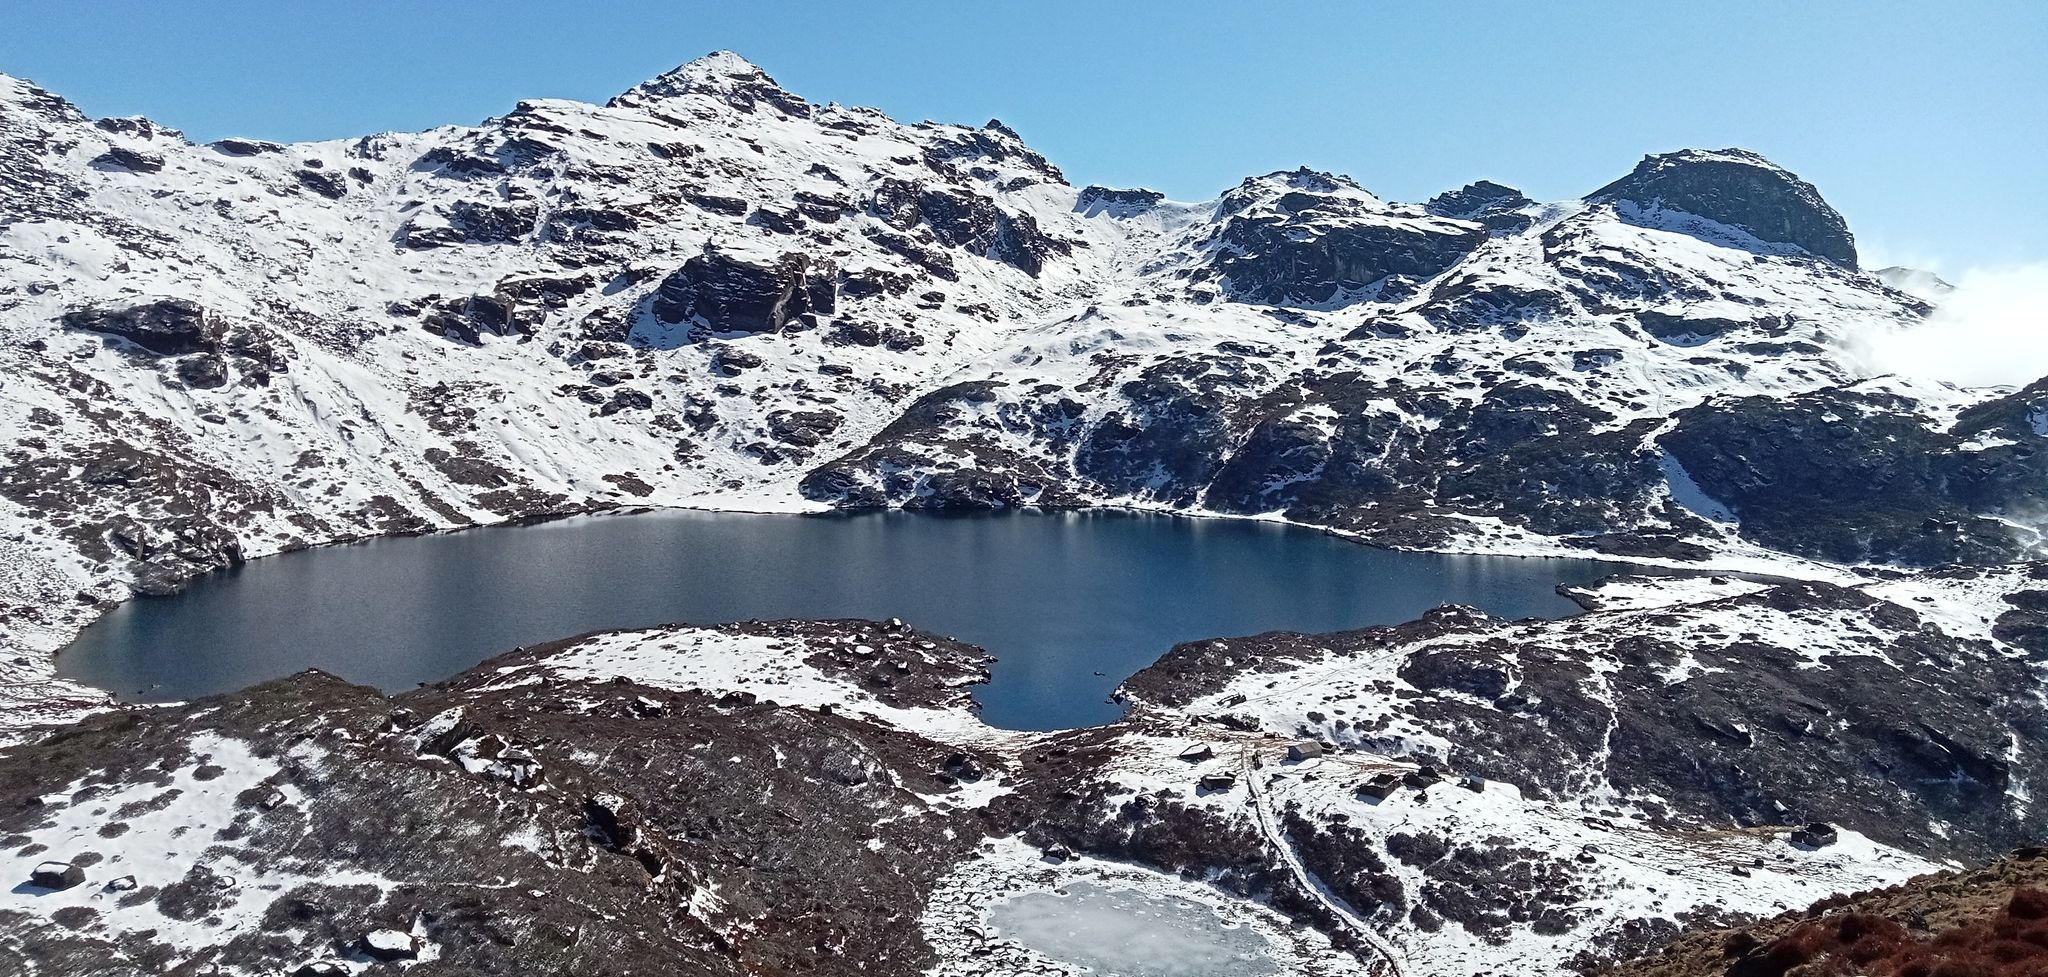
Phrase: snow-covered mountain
[712,292]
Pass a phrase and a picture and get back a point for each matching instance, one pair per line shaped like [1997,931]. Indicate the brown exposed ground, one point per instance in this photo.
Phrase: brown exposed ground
[1984,922]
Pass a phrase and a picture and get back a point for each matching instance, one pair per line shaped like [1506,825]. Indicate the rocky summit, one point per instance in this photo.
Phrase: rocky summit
[713,292]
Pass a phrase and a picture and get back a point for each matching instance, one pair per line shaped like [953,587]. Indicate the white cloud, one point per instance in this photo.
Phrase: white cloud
[1992,330]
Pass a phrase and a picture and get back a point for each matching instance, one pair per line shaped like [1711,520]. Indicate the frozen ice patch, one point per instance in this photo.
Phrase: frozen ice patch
[1126,933]
[1688,493]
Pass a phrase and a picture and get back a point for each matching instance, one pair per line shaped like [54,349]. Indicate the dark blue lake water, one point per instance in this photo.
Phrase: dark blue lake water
[1069,603]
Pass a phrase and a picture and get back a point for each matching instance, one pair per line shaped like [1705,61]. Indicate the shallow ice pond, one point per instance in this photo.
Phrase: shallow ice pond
[1117,932]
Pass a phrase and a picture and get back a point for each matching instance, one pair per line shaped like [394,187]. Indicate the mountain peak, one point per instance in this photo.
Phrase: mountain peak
[1741,189]
[720,74]
[1289,184]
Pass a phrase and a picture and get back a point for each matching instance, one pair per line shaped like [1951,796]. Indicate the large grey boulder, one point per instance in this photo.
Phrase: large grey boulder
[56,875]
[167,327]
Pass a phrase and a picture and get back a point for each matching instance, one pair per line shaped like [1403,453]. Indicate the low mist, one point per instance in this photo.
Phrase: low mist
[1992,330]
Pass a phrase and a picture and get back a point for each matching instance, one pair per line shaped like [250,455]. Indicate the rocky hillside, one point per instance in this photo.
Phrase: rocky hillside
[1453,796]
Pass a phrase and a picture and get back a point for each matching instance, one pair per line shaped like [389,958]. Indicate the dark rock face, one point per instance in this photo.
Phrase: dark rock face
[1313,242]
[244,147]
[205,371]
[1205,430]
[1851,477]
[1117,202]
[467,319]
[968,221]
[167,327]
[625,398]
[1739,189]
[992,143]
[893,469]
[803,428]
[329,185]
[473,222]
[732,79]
[733,293]
[1172,437]
[1485,202]
[118,158]
[1691,330]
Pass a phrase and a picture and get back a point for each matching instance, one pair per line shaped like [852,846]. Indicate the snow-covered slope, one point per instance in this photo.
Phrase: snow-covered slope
[1452,796]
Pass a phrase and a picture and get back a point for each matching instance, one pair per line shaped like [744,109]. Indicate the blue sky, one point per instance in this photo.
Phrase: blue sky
[1925,123]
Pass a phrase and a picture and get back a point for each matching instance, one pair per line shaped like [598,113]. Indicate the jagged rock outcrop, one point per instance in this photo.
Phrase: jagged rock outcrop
[1116,201]
[1498,208]
[1306,237]
[748,293]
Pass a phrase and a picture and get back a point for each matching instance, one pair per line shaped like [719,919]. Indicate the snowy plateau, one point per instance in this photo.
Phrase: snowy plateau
[710,292]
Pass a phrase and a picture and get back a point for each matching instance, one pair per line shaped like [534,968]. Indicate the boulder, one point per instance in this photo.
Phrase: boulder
[128,159]
[727,361]
[56,875]
[244,147]
[205,371]
[467,319]
[961,767]
[329,185]
[803,428]
[1818,834]
[166,327]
